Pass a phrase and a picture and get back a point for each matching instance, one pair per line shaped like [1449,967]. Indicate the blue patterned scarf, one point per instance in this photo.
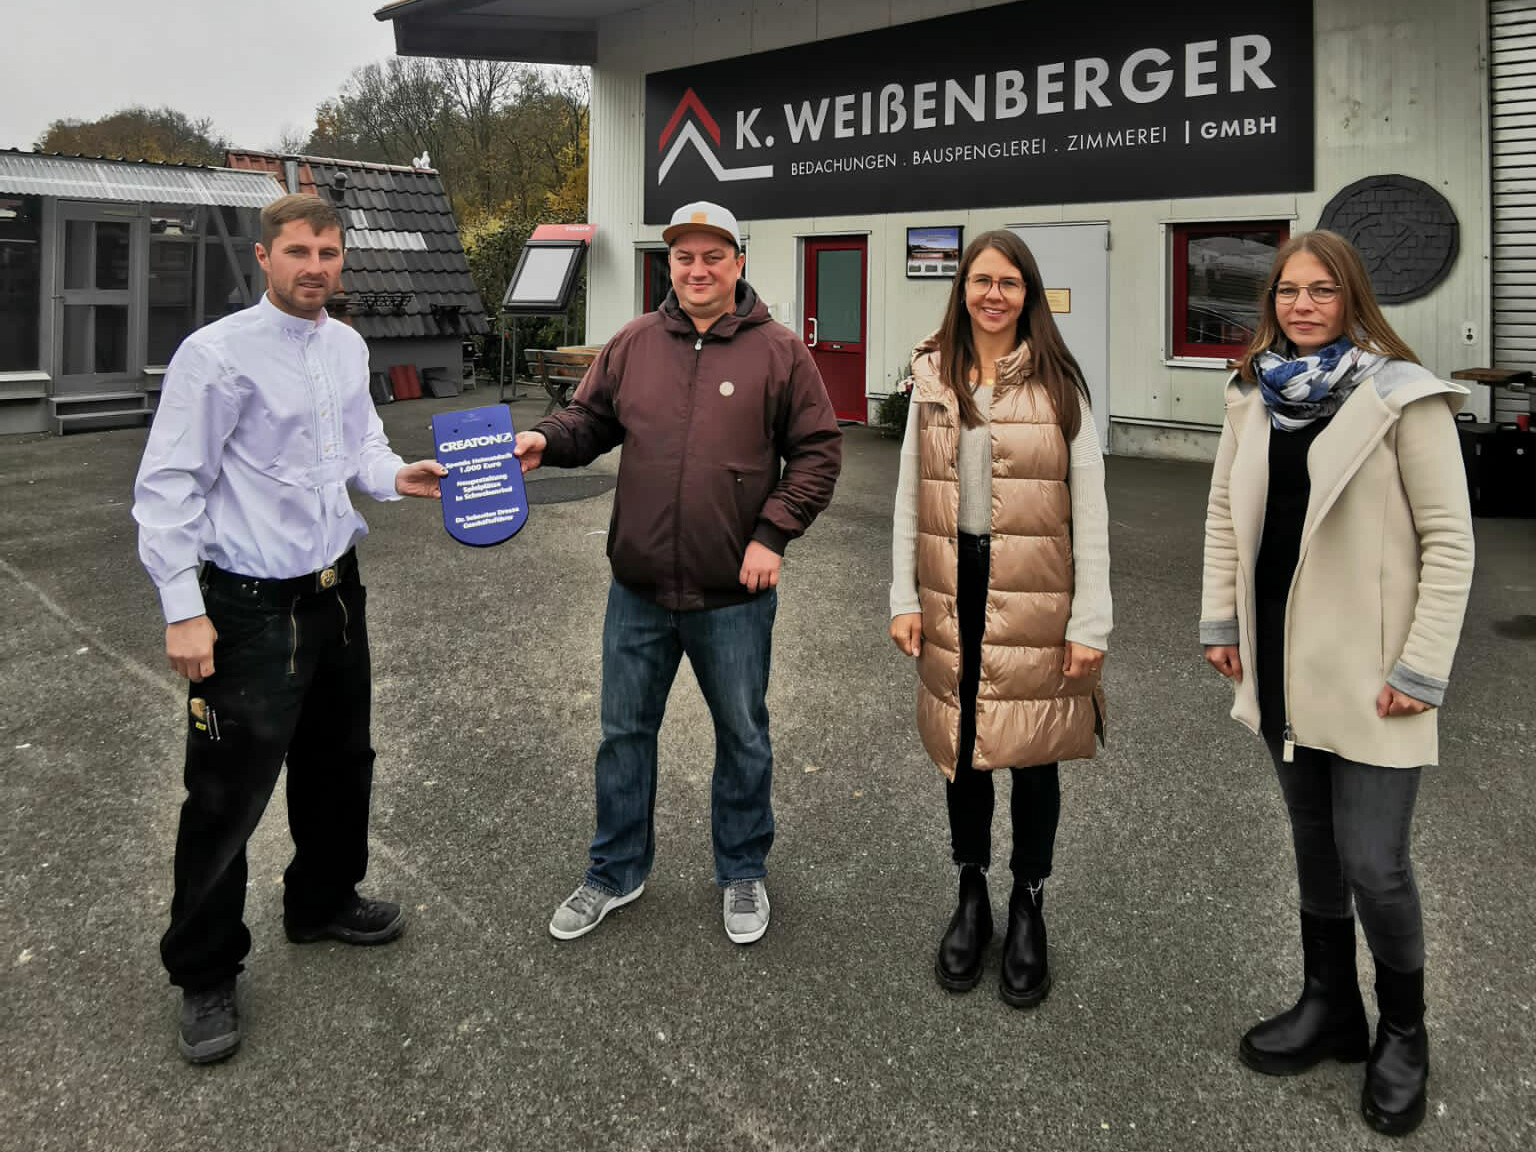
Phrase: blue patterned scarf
[1302,389]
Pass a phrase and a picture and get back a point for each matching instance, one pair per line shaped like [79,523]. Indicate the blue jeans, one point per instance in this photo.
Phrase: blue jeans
[730,651]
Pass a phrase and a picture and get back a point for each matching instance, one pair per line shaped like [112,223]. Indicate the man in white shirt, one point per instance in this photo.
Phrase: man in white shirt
[247,530]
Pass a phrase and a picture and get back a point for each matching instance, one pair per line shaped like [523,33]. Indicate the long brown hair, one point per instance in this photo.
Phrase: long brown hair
[1363,321]
[1055,367]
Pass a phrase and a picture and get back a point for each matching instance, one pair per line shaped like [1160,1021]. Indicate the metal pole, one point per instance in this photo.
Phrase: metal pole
[516,395]
[501,331]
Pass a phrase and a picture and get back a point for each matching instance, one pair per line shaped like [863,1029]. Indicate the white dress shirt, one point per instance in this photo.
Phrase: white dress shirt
[264,419]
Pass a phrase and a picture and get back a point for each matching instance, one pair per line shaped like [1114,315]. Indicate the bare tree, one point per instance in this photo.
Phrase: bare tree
[503,136]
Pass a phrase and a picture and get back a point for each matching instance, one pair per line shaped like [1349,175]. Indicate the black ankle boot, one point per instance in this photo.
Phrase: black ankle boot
[1394,1096]
[1026,978]
[958,966]
[1329,1019]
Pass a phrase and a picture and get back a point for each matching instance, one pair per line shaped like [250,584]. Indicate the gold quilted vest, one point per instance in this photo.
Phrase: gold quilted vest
[1027,712]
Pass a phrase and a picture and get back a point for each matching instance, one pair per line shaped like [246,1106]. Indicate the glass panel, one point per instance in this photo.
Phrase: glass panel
[77,329]
[658,280]
[112,241]
[221,290]
[111,338]
[248,221]
[839,286]
[172,294]
[240,223]
[542,275]
[172,220]
[20,282]
[77,254]
[1226,275]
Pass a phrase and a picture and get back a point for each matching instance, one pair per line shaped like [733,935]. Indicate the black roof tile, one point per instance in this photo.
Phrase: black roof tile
[404,202]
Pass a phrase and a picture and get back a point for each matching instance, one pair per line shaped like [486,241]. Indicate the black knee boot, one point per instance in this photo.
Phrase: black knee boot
[1394,1096]
[1026,977]
[1328,1020]
[958,966]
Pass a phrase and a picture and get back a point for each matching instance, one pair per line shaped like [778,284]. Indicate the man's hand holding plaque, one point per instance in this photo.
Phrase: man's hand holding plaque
[529,449]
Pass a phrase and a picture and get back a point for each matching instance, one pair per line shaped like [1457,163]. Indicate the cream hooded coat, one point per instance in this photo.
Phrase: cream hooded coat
[1383,573]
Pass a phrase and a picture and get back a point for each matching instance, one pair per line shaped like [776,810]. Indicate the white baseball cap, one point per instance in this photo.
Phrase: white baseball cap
[702,216]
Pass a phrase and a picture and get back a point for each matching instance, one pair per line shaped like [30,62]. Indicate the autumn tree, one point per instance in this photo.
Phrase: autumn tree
[503,136]
[509,141]
[161,134]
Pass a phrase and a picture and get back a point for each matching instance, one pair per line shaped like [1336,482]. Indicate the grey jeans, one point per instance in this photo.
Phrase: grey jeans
[1351,825]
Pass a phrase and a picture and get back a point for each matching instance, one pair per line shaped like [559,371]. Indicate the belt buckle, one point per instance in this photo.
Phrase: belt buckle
[328,577]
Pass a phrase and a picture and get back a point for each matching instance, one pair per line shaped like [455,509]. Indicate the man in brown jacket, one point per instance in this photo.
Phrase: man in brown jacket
[731,449]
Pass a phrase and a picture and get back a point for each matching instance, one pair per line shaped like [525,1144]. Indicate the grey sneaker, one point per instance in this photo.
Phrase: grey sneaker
[746,910]
[584,910]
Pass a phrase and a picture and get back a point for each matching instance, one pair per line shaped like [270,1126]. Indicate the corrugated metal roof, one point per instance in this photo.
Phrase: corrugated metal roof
[83,178]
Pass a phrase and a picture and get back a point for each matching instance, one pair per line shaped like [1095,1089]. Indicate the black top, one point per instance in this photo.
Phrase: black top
[1285,511]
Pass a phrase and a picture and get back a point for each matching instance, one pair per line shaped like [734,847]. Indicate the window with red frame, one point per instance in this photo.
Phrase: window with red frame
[1218,275]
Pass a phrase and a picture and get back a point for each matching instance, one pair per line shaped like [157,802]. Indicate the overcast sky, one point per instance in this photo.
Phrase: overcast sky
[257,67]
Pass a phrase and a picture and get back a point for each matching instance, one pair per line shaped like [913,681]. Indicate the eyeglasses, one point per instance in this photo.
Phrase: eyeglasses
[1008,286]
[1317,293]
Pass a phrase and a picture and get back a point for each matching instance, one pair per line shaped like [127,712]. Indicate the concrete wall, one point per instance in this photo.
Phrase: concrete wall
[22,415]
[385,354]
[1400,88]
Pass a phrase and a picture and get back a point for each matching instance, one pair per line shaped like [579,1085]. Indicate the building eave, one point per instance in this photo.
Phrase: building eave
[533,32]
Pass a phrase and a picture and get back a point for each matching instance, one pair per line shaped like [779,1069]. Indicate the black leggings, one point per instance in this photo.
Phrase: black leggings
[1035,800]
[1351,823]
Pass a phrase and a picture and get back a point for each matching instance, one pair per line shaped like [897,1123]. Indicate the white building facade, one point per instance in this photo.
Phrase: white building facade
[1151,156]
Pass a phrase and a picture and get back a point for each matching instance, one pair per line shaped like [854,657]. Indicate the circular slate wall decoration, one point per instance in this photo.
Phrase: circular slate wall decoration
[1405,230]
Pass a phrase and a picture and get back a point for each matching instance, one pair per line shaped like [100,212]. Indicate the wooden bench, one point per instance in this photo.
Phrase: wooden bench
[560,371]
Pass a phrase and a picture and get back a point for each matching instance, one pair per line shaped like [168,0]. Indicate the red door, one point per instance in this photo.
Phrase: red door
[834,328]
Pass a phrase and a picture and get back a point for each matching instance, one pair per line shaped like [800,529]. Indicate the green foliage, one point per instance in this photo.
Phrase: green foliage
[892,411]
[160,134]
[506,138]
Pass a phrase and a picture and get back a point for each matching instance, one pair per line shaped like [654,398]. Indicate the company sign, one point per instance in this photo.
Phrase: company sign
[1017,104]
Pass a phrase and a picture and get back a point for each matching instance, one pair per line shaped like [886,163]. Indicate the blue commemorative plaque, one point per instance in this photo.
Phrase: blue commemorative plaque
[484,501]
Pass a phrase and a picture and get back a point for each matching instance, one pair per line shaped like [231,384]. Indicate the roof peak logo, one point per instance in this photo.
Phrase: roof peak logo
[689,134]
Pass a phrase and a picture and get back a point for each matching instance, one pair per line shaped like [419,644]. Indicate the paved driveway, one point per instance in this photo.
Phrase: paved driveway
[1171,914]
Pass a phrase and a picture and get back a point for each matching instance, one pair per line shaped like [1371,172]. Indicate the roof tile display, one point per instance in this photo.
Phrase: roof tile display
[406,275]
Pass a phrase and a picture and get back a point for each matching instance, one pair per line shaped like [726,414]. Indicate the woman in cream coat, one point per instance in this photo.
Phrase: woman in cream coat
[1338,557]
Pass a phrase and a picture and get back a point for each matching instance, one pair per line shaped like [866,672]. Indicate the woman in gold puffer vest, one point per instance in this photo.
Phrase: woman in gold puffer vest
[1000,588]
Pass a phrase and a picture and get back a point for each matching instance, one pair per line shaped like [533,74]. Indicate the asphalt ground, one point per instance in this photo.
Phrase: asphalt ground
[1171,912]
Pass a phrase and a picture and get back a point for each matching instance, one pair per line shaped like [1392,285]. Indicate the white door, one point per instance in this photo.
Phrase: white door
[1074,262]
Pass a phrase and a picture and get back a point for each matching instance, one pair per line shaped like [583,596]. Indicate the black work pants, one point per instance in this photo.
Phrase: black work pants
[1351,823]
[291,680]
[1035,799]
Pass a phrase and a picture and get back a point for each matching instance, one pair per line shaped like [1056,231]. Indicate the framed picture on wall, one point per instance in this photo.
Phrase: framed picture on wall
[933,253]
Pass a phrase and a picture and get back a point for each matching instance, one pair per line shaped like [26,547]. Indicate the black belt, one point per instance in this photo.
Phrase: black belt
[281,592]
[969,543]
